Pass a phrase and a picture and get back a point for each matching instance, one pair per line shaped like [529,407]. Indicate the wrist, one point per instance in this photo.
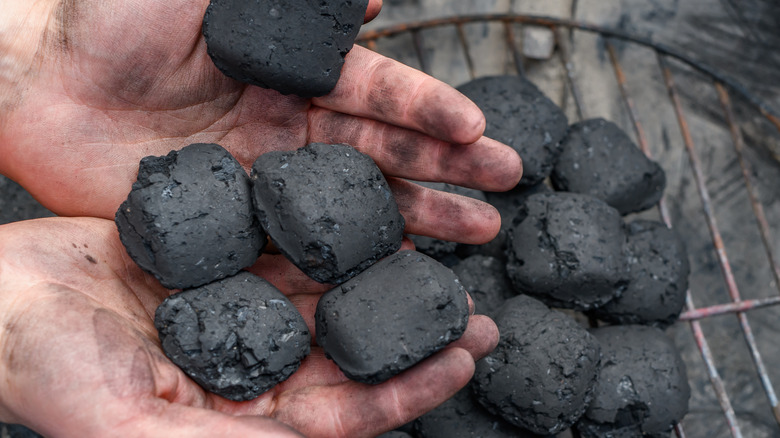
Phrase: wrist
[23,27]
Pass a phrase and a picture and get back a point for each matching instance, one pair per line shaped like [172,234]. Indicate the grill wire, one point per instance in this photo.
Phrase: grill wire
[724,87]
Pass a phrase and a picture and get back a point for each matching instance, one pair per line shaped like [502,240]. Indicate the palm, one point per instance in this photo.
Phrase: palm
[99,334]
[134,80]
[125,83]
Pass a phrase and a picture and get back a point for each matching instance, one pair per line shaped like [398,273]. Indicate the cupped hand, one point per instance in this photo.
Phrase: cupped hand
[114,81]
[79,354]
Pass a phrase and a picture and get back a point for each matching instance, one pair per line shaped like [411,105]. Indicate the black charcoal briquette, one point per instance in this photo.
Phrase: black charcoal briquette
[328,209]
[643,386]
[189,218]
[568,250]
[521,116]
[599,159]
[485,279]
[237,337]
[394,314]
[463,417]
[658,265]
[542,374]
[292,46]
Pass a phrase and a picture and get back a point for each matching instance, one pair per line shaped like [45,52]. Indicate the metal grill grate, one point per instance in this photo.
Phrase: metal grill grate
[724,87]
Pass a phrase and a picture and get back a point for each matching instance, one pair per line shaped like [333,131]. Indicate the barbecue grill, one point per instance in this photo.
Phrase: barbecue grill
[416,44]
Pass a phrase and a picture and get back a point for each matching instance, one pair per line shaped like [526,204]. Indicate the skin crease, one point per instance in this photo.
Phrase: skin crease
[96,85]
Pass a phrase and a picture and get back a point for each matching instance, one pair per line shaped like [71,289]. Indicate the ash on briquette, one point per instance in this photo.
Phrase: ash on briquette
[237,337]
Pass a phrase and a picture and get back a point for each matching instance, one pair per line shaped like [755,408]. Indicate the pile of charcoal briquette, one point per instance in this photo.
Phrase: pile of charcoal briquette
[195,221]
[565,256]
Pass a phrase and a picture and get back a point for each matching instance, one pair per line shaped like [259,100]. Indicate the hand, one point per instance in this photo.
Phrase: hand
[79,354]
[113,81]
[90,87]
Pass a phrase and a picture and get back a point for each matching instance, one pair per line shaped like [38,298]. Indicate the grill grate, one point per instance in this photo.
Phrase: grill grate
[724,87]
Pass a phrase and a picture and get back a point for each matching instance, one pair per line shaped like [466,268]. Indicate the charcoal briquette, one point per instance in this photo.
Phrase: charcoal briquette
[394,314]
[521,116]
[236,337]
[643,385]
[327,208]
[188,219]
[600,159]
[568,250]
[542,374]
[658,278]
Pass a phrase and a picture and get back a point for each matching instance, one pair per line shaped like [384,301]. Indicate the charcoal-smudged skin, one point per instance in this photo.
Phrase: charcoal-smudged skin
[599,159]
[294,47]
[568,250]
[437,248]
[520,115]
[328,209]
[396,313]
[463,417]
[658,271]
[237,337]
[543,372]
[643,385]
[486,281]
[188,219]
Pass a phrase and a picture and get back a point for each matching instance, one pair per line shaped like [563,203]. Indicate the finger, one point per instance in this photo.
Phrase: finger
[359,410]
[445,216]
[379,88]
[480,337]
[280,272]
[484,165]
[374,7]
